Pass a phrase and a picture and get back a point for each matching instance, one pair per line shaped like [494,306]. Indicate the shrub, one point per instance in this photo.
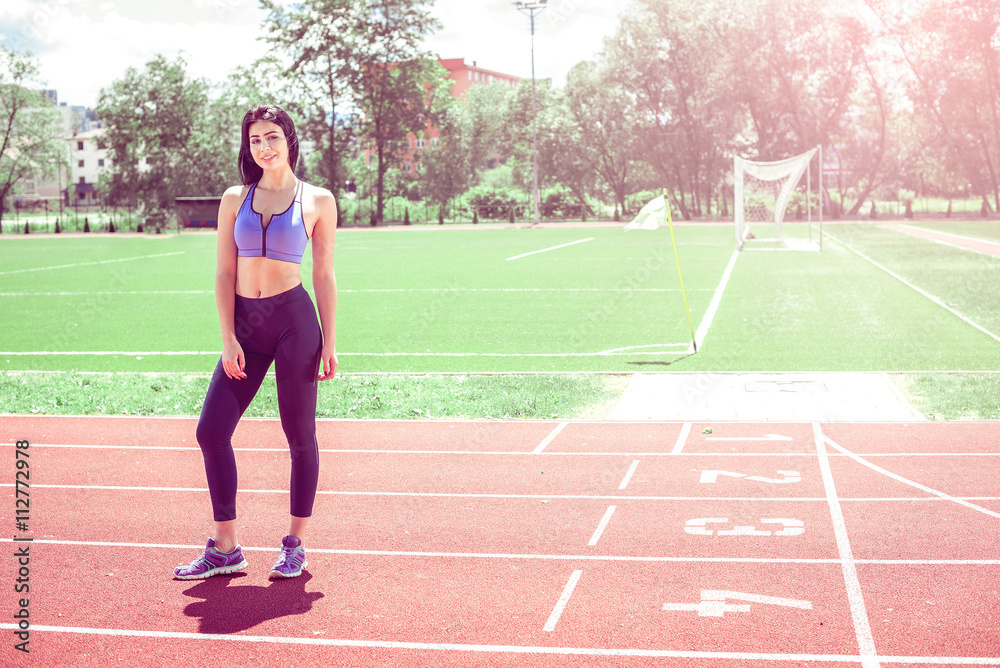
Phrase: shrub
[491,203]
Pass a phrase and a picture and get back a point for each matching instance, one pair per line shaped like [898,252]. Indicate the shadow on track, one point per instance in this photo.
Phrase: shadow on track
[229,607]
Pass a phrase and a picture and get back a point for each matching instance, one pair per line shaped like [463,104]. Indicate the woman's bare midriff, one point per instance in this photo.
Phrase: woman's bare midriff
[258,277]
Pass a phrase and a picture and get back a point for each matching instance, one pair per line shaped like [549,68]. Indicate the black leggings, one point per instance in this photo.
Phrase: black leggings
[283,329]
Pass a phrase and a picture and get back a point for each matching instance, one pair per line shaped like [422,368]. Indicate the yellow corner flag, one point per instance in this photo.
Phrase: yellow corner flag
[648,219]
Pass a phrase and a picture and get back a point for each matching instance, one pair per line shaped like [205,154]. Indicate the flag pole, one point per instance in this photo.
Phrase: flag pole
[673,239]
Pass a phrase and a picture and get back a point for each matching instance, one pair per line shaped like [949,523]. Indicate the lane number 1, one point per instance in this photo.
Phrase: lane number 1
[787,477]
[789,527]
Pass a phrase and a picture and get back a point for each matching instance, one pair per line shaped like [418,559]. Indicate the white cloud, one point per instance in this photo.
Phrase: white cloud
[80,52]
[84,45]
[498,37]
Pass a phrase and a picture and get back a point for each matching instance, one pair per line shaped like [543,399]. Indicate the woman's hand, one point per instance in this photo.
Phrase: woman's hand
[233,360]
[329,357]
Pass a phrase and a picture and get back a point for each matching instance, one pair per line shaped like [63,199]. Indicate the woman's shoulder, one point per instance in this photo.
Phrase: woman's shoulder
[317,193]
[234,192]
[319,198]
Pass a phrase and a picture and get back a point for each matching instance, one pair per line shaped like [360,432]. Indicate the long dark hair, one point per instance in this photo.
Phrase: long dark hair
[250,171]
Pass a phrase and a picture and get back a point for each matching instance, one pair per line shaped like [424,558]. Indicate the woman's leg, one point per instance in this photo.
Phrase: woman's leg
[225,402]
[296,367]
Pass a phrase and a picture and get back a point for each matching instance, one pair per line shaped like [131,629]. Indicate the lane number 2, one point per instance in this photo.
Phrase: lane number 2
[713,603]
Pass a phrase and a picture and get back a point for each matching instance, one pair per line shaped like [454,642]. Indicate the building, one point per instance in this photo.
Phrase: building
[81,131]
[465,76]
[87,158]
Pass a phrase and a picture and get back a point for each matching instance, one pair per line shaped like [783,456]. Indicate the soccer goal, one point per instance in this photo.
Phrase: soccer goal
[774,203]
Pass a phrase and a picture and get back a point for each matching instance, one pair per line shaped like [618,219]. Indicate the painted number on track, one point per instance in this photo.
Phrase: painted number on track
[713,603]
[787,477]
[699,527]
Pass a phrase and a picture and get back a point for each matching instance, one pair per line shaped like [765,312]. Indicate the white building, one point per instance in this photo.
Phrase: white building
[88,157]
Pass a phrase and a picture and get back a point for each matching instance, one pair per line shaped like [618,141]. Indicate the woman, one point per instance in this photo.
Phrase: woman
[266,315]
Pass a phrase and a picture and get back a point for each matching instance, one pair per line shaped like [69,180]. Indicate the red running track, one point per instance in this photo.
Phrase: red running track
[955,240]
[513,544]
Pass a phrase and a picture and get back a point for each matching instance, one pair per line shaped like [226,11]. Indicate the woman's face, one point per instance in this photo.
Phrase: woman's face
[268,145]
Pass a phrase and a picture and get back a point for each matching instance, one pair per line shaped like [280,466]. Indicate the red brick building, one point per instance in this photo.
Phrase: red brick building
[465,76]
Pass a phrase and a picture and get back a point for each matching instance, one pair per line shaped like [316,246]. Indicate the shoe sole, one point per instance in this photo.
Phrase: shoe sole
[222,570]
[279,574]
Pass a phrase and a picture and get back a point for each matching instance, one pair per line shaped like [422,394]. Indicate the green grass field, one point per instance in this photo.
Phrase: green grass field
[597,299]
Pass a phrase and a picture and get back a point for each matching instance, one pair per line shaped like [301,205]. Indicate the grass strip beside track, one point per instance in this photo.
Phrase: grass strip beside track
[938,396]
[359,396]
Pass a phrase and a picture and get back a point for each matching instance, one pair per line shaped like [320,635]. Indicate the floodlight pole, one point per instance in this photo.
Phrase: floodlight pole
[531,8]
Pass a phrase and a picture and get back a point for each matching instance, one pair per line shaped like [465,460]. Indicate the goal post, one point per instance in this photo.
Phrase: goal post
[765,193]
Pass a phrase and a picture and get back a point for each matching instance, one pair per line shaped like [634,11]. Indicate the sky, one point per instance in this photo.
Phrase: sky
[84,45]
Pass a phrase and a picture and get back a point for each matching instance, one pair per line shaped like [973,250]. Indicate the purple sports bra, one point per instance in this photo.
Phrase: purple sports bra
[284,238]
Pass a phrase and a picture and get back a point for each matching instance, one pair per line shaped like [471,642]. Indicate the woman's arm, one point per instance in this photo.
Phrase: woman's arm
[324,281]
[233,360]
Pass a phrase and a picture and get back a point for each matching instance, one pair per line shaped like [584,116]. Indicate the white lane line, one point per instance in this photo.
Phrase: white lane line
[600,353]
[459,495]
[862,627]
[905,481]
[87,264]
[546,250]
[66,293]
[508,649]
[681,439]
[765,437]
[512,453]
[518,453]
[535,556]
[918,290]
[140,353]
[602,526]
[561,603]
[628,476]
[548,439]
[706,320]
[150,353]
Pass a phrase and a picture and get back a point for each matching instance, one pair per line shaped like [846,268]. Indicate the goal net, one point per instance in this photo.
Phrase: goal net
[774,203]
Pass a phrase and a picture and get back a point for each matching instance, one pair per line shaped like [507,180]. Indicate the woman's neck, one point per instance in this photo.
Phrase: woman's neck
[283,179]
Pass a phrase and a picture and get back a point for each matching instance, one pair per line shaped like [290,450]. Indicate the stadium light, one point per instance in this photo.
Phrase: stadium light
[531,8]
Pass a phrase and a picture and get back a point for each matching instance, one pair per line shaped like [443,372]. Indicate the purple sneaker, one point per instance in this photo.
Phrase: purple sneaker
[292,559]
[212,562]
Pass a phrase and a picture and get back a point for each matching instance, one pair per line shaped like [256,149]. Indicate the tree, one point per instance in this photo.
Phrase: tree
[163,139]
[317,39]
[952,49]
[481,122]
[562,160]
[604,113]
[368,50]
[806,75]
[30,144]
[396,95]
[445,169]
[671,56]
